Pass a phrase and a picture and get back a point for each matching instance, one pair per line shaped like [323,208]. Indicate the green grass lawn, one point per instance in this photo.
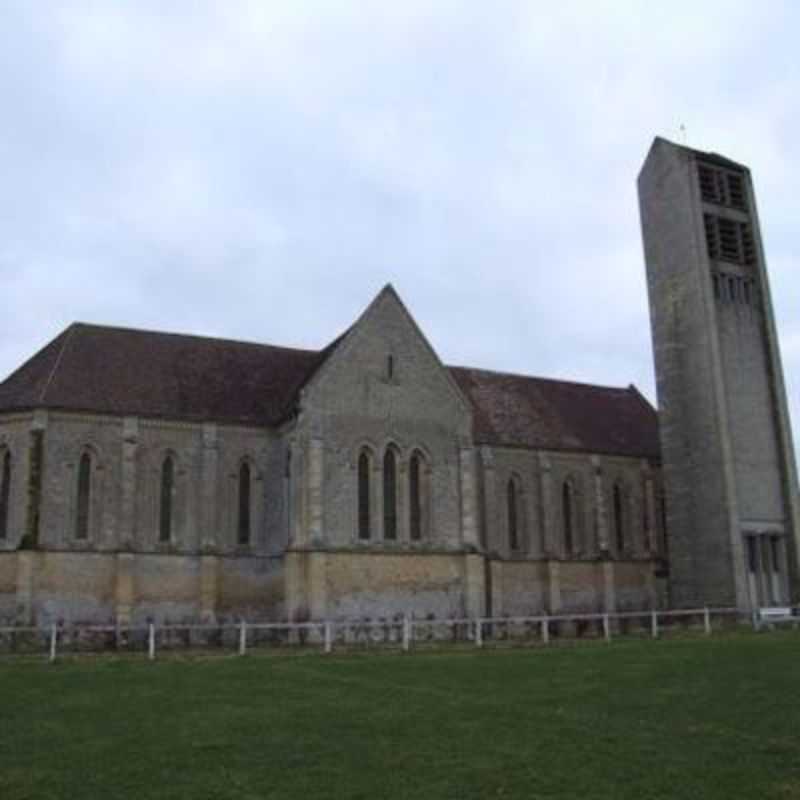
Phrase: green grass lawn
[692,718]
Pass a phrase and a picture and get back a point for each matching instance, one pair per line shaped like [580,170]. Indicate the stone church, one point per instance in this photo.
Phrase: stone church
[153,475]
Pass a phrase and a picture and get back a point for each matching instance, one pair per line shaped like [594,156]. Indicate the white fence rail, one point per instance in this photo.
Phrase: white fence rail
[403,633]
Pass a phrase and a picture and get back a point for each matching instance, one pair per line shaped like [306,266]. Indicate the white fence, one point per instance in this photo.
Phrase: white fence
[402,633]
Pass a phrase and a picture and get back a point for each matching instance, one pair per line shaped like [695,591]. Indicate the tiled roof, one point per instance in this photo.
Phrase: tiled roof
[143,373]
[522,411]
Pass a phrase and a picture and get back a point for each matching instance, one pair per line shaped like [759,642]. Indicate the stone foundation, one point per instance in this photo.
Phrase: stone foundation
[101,588]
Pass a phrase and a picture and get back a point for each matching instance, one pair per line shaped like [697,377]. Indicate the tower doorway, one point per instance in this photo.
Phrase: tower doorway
[766,568]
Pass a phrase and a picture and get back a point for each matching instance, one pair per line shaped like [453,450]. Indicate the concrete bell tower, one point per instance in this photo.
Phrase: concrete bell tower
[728,460]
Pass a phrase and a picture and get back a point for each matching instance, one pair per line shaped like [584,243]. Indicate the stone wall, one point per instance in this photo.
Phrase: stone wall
[541,476]
[8,588]
[101,588]
[15,439]
[381,585]
[518,588]
[382,387]
[533,587]
[127,456]
[634,586]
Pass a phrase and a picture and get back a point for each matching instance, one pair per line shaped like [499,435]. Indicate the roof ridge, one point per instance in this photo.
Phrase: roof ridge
[634,390]
[195,336]
[68,335]
[506,374]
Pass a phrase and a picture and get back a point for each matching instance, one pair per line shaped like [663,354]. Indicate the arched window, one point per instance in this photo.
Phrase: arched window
[389,495]
[619,518]
[364,468]
[243,520]
[568,516]
[512,507]
[415,490]
[167,500]
[82,507]
[5,493]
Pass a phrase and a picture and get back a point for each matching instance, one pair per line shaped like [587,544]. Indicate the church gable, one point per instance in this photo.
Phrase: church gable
[383,368]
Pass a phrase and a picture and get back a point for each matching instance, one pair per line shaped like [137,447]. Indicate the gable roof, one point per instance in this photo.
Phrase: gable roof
[523,411]
[145,373]
[122,371]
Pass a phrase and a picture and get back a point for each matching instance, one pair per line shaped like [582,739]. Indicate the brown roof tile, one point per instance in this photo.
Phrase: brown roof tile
[522,411]
[144,373]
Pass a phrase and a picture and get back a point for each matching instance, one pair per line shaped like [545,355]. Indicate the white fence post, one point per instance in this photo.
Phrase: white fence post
[242,637]
[50,639]
[406,633]
[53,638]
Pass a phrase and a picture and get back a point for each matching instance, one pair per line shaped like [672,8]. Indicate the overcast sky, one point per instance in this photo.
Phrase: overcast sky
[258,170]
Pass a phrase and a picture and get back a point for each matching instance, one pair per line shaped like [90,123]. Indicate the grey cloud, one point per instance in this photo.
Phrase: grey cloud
[259,170]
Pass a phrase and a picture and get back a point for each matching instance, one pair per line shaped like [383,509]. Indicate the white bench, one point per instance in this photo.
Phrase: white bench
[775,615]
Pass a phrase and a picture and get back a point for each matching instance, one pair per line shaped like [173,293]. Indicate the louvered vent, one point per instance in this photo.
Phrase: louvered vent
[729,240]
[708,184]
[736,191]
[729,249]
[721,187]
[748,246]
[712,240]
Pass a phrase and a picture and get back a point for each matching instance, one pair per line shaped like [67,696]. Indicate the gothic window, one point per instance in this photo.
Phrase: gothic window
[417,495]
[5,492]
[364,469]
[243,518]
[619,519]
[647,531]
[84,497]
[389,494]
[513,498]
[389,367]
[167,500]
[568,516]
